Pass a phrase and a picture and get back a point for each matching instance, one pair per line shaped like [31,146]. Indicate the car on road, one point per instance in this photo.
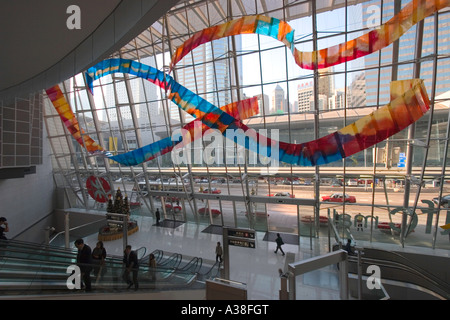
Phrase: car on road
[352,182]
[444,200]
[212,190]
[339,197]
[281,194]
[205,211]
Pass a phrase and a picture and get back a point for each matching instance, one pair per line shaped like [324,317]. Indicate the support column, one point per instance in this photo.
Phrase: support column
[226,254]
[66,230]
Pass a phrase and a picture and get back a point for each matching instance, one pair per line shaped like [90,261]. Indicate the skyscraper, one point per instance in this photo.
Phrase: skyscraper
[210,80]
[358,91]
[371,15]
[264,104]
[304,93]
[142,92]
[326,85]
[278,101]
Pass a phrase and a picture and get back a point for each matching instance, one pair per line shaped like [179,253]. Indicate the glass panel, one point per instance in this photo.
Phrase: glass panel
[242,220]
[306,218]
[282,217]
[221,73]
[228,210]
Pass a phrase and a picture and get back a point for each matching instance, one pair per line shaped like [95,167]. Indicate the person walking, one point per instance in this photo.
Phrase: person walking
[152,266]
[131,263]
[219,252]
[359,221]
[348,247]
[98,258]
[84,262]
[3,228]
[279,242]
[158,216]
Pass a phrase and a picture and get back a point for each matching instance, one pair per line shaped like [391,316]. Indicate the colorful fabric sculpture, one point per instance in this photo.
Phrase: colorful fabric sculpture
[241,110]
[68,118]
[409,102]
[246,107]
[368,43]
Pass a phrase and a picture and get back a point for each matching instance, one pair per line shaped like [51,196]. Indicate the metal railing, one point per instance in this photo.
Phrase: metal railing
[63,239]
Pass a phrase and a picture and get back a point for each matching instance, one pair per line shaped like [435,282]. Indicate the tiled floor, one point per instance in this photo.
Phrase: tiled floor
[256,268]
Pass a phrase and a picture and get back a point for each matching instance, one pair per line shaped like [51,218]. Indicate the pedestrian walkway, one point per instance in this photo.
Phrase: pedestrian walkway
[256,268]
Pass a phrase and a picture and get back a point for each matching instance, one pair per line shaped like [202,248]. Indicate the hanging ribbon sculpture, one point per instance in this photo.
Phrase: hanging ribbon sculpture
[409,100]
[375,40]
[189,133]
[240,110]
[68,118]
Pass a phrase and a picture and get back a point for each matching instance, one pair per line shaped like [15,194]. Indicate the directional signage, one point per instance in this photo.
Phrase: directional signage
[241,233]
[235,237]
[401,160]
[246,243]
[239,237]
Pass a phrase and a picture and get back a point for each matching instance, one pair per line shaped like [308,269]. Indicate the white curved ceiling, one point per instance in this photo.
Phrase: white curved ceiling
[38,50]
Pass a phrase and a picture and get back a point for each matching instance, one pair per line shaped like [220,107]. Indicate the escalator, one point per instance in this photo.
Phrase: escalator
[402,278]
[403,275]
[32,269]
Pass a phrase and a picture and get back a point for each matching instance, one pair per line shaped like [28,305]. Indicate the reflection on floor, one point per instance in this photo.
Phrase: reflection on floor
[257,268]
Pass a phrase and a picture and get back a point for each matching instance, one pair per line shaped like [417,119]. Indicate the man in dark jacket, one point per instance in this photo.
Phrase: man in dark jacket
[279,241]
[158,217]
[84,261]
[131,265]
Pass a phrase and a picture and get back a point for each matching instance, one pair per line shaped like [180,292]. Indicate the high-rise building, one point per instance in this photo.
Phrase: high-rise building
[322,104]
[264,104]
[326,85]
[337,100]
[142,94]
[210,80]
[374,78]
[326,91]
[304,92]
[278,101]
[358,91]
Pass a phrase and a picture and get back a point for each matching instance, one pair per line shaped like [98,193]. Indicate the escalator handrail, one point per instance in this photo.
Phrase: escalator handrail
[429,283]
[413,265]
[195,264]
[47,263]
[60,268]
[208,274]
[22,244]
[176,257]
[51,251]
[77,227]
[404,267]
[46,253]
[159,254]
[43,266]
[39,253]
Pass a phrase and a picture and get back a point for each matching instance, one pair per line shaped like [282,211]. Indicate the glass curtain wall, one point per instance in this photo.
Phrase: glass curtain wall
[224,186]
